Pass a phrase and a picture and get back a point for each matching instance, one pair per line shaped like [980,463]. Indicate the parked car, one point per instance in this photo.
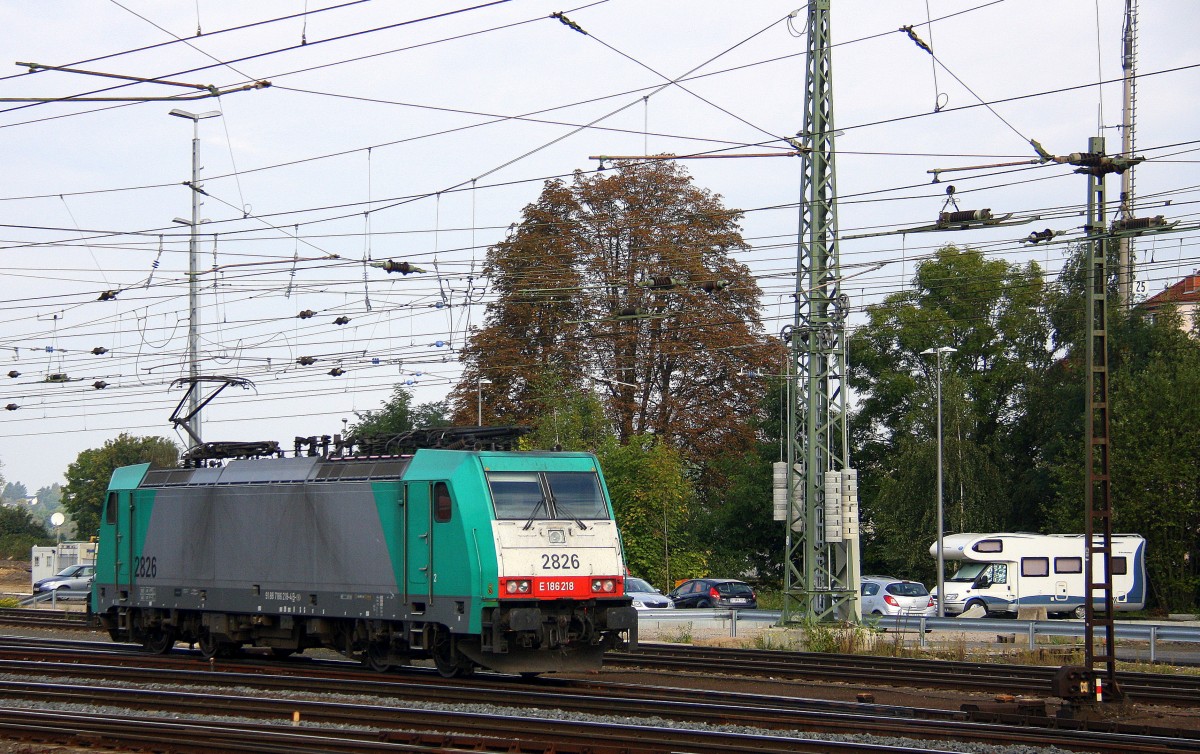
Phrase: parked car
[885,595]
[76,578]
[645,596]
[714,593]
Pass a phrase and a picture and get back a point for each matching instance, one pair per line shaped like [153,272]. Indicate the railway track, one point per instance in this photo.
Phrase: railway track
[20,616]
[382,703]
[1156,688]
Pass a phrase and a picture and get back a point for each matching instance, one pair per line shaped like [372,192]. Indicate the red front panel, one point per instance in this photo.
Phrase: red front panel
[562,587]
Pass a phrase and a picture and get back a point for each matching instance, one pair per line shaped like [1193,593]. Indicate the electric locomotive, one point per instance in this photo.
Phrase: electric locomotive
[508,560]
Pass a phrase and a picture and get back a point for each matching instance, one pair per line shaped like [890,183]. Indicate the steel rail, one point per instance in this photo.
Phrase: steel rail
[643,736]
[1173,689]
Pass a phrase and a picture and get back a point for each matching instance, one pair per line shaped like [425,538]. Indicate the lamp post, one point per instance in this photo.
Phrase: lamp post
[941,567]
[479,388]
[193,288]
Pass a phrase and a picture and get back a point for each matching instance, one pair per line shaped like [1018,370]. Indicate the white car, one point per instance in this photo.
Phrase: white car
[884,595]
[645,596]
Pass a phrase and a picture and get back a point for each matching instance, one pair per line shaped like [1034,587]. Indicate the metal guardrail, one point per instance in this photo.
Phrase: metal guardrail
[72,595]
[1153,633]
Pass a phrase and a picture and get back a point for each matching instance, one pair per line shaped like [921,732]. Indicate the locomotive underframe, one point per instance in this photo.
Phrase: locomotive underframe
[526,637]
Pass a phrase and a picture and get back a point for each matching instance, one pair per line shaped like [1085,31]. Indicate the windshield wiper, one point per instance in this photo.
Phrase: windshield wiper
[533,513]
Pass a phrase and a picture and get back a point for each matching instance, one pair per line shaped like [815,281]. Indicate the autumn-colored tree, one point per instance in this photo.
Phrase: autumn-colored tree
[623,282]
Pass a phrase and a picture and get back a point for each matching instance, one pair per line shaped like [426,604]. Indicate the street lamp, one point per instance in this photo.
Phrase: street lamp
[941,584]
[193,265]
[479,387]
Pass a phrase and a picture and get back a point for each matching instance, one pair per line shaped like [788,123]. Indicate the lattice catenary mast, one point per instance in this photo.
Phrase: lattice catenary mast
[817,493]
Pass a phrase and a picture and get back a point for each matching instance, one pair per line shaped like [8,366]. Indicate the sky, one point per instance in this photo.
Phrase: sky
[417,132]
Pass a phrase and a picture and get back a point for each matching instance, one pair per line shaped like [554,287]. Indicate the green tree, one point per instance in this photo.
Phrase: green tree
[398,415]
[14,491]
[651,494]
[991,312]
[19,532]
[1156,484]
[89,474]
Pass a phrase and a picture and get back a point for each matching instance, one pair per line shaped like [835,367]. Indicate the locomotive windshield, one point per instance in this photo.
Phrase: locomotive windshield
[570,495]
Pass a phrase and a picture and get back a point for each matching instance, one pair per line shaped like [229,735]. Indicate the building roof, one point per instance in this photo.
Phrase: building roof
[1186,290]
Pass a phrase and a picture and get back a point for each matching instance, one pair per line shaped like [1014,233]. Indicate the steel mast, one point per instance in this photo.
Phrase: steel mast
[821,558]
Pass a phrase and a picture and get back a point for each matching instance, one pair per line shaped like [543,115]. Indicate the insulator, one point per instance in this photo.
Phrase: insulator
[14,374]
[11,407]
[341,320]
[99,384]
[403,268]
[336,372]
[306,314]
[108,296]
[964,216]
[659,282]
[305,361]
[1138,223]
[57,377]
[712,286]
[99,350]
[1038,236]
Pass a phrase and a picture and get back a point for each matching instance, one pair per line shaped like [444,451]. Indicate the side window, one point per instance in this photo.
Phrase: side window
[1035,566]
[1068,565]
[442,507]
[989,545]
[999,573]
[1120,566]
[110,509]
[869,590]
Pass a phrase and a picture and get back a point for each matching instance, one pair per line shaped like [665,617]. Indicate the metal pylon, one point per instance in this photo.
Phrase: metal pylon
[821,558]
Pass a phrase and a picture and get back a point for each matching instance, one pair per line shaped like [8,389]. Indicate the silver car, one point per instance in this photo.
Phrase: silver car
[76,578]
[645,596]
[884,595]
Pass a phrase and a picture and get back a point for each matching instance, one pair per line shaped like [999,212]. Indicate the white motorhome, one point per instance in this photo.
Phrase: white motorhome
[1002,572]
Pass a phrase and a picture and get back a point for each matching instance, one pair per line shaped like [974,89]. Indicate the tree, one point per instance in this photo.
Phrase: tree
[648,483]
[399,415]
[623,282]
[14,491]
[19,532]
[991,312]
[89,474]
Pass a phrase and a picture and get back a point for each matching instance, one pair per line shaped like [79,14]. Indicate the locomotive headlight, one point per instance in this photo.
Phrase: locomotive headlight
[517,586]
[607,586]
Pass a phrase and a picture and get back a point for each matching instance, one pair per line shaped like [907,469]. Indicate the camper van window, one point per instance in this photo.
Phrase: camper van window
[1120,566]
[989,545]
[1035,566]
[1068,565]
[998,573]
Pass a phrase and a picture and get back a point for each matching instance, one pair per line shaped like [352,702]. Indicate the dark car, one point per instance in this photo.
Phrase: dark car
[714,593]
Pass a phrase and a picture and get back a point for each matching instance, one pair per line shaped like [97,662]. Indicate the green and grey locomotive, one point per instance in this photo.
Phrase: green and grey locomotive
[508,560]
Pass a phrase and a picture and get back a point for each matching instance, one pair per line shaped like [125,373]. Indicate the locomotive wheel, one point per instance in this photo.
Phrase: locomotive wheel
[443,656]
[159,641]
[208,645]
[376,656]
